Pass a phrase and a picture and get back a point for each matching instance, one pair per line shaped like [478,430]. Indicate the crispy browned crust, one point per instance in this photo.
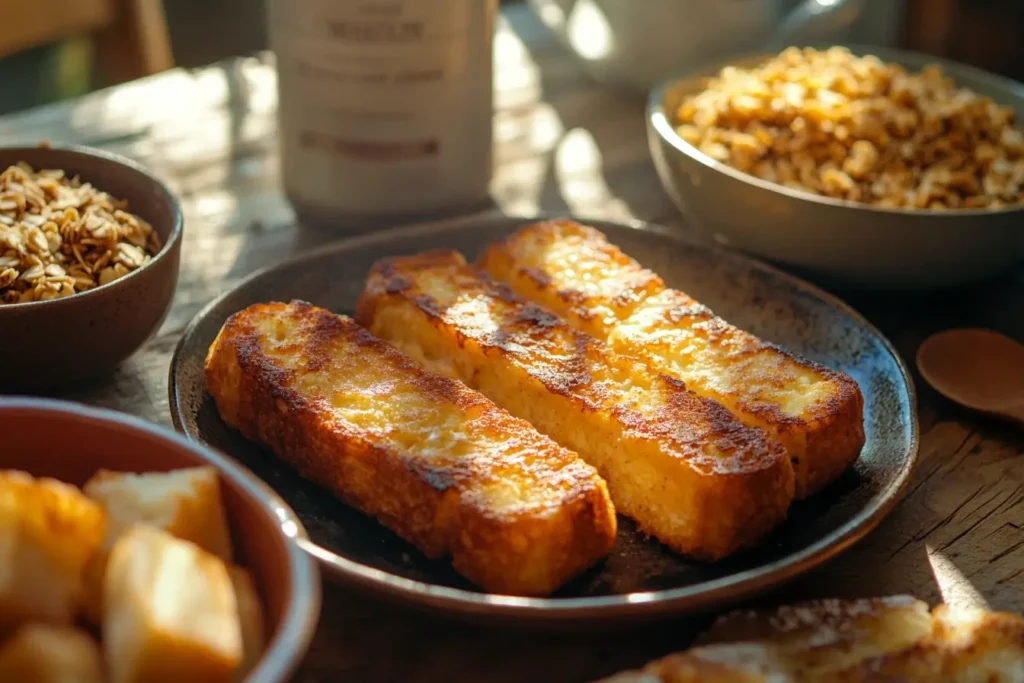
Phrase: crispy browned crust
[822,441]
[594,312]
[881,640]
[522,356]
[282,373]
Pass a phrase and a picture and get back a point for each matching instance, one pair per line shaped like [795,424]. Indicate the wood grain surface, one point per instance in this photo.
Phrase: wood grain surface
[563,144]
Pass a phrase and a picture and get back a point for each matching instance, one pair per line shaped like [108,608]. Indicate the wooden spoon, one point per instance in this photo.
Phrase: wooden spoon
[980,369]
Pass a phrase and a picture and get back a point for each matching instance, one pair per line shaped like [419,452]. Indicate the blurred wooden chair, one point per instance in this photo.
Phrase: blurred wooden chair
[130,37]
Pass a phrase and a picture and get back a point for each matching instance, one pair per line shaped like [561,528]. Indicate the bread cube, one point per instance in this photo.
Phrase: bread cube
[185,503]
[41,653]
[250,615]
[170,613]
[48,531]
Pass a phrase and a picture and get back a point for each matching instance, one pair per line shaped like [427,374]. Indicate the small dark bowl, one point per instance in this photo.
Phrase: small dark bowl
[69,442]
[61,342]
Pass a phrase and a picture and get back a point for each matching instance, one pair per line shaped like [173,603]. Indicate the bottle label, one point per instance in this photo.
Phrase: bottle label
[384,101]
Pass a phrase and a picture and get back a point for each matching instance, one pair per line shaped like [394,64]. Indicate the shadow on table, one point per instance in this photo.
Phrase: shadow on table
[437,649]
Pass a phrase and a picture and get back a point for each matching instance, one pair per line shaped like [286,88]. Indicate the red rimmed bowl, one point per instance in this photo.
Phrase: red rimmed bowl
[69,442]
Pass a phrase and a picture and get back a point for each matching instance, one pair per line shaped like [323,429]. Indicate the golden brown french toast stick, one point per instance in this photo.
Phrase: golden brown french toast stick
[435,461]
[878,640]
[572,269]
[688,472]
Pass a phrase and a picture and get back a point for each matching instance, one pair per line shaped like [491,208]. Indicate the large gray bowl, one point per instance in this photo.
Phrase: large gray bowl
[837,242]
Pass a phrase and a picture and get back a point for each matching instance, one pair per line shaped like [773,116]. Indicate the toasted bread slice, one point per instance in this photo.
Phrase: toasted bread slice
[169,612]
[815,412]
[41,653]
[858,641]
[436,462]
[48,531]
[688,472]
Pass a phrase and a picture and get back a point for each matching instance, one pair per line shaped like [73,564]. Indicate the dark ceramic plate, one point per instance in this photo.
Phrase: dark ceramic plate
[640,578]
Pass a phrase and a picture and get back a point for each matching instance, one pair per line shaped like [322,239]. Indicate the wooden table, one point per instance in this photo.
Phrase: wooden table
[563,144]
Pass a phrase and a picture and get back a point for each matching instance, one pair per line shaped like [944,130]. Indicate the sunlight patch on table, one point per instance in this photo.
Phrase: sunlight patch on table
[142,106]
[523,149]
[956,588]
[517,77]
[589,31]
[213,205]
[552,15]
[209,261]
[546,128]
[517,187]
[523,134]
[209,251]
[579,173]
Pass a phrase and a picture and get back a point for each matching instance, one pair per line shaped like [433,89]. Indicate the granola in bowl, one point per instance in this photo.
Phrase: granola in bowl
[60,236]
[859,129]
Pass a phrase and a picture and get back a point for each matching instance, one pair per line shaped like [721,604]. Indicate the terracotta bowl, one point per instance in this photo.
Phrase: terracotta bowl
[62,342]
[70,442]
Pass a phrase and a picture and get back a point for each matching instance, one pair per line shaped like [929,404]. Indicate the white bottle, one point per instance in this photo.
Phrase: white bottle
[385,107]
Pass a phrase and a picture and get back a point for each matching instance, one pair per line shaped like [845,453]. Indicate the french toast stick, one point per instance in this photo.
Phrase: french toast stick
[681,466]
[433,460]
[572,269]
[878,640]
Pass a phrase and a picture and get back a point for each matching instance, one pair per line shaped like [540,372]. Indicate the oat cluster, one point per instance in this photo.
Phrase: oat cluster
[60,236]
[859,129]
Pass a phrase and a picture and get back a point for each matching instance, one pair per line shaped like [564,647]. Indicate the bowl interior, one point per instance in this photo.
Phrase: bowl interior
[48,439]
[666,100]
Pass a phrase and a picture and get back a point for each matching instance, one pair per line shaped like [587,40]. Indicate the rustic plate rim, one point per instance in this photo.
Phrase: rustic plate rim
[628,606]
